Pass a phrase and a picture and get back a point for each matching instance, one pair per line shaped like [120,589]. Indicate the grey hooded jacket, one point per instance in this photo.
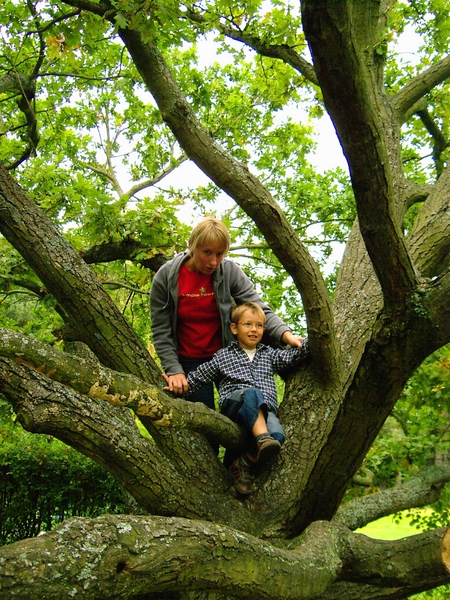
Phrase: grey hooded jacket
[231,286]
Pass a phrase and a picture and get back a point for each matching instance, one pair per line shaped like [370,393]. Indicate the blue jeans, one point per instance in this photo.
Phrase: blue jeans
[243,407]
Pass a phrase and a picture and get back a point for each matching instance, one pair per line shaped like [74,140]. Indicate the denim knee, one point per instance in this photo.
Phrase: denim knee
[243,406]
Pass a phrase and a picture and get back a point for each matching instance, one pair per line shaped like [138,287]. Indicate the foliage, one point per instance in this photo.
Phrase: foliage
[439,593]
[416,434]
[43,482]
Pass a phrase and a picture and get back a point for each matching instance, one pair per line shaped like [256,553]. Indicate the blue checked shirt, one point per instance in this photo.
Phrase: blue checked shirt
[235,371]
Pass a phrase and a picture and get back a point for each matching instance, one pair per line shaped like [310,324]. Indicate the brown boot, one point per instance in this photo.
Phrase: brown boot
[268,449]
[243,477]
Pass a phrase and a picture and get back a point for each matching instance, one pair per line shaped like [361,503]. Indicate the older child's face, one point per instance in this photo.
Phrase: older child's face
[249,330]
[206,258]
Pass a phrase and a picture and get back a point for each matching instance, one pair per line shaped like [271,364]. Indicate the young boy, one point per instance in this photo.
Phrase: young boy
[247,391]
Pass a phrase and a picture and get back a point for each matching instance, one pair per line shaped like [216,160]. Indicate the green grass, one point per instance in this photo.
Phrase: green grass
[387,528]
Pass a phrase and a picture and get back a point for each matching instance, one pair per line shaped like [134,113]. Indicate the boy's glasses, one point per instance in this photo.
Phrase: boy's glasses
[249,325]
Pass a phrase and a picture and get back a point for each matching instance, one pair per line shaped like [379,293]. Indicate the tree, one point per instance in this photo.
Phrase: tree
[389,309]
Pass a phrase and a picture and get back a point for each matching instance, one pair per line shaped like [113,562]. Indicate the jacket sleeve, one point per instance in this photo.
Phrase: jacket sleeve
[243,290]
[162,319]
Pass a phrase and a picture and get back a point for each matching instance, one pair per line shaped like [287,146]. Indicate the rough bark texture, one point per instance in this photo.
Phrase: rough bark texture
[390,311]
[126,556]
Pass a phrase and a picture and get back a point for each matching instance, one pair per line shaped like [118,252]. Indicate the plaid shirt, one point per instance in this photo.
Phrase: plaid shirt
[235,371]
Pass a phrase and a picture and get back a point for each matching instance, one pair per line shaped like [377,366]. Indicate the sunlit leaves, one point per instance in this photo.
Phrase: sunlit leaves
[432,20]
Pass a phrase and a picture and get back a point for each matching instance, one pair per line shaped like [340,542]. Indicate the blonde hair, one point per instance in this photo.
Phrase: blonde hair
[209,230]
[238,311]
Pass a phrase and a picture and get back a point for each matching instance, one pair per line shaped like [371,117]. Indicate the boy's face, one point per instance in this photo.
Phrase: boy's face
[249,330]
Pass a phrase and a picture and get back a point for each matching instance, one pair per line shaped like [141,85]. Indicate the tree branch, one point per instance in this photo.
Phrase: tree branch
[159,482]
[126,249]
[120,389]
[420,490]
[123,554]
[416,89]
[440,142]
[283,52]
[28,284]
[86,424]
[354,76]
[113,556]
[74,285]
[419,563]
[138,187]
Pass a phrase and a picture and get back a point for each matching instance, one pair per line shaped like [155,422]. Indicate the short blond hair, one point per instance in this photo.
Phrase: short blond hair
[209,230]
[239,310]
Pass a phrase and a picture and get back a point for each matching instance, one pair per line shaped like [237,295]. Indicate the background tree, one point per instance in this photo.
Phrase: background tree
[74,68]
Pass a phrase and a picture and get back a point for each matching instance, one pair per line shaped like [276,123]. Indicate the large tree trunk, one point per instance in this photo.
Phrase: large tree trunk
[390,311]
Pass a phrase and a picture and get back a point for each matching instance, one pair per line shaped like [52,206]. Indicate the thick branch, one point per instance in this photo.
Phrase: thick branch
[119,389]
[414,193]
[108,435]
[126,249]
[343,38]
[436,296]
[98,321]
[44,406]
[386,570]
[114,556]
[418,491]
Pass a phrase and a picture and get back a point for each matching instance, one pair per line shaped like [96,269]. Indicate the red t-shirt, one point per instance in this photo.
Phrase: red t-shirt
[199,329]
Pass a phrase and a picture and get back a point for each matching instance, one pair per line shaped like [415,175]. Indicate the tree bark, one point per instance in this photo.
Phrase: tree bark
[120,389]
[128,556]
[159,482]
